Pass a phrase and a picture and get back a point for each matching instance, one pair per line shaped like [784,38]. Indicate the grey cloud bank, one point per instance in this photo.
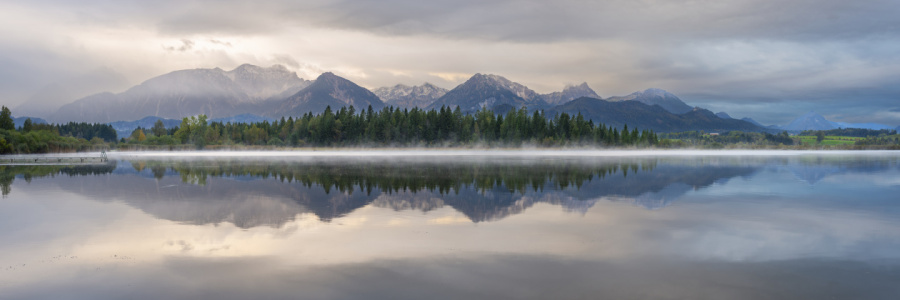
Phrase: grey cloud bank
[770,60]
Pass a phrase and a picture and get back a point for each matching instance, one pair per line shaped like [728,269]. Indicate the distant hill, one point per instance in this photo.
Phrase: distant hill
[872,126]
[327,90]
[404,96]
[664,99]
[723,115]
[213,92]
[19,121]
[489,91]
[747,119]
[642,116]
[569,93]
[243,118]
[809,121]
[815,121]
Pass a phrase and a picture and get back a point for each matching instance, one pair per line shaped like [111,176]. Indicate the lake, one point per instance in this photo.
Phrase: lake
[362,224]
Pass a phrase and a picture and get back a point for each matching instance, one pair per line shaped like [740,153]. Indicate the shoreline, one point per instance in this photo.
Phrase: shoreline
[444,152]
[499,152]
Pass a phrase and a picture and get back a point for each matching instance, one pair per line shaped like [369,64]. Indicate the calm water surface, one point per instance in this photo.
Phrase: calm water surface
[455,225]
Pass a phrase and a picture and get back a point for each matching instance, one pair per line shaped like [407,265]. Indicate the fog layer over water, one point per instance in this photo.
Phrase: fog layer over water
[454,224]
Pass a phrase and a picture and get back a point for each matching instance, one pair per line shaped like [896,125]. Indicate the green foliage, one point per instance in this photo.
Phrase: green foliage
[891,141]
[158,129]
[45,138]
[6,121]
[275,142]
[723,140]
[28,125]
[850,132]
[5,147]
[138,135]
[193,131]
[88,131]
[828,140]
[39,141]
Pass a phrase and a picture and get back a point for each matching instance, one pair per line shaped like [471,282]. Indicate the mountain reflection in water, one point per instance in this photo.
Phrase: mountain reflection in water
[562,227]
[252,193]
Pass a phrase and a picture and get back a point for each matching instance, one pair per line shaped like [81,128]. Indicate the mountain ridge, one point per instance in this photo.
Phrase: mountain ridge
[275,91]
[655,96]
[328,90]
[404,96]
[569,93]
[654,117]
[487,91]
[213,92]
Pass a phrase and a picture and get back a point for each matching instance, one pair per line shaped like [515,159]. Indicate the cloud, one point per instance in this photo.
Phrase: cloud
[218,42]
[746,57]
[185,46]
[542,21]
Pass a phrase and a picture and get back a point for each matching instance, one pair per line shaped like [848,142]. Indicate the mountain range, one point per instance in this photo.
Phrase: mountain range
[640,115]
[258,93]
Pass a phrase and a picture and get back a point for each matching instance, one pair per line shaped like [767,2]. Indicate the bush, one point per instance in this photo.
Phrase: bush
[275,142]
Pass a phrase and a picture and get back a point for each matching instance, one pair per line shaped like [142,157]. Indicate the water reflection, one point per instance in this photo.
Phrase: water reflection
[8,173]
[524,228]
[252,193]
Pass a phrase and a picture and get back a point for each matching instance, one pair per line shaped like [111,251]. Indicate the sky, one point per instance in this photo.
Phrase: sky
[769,60]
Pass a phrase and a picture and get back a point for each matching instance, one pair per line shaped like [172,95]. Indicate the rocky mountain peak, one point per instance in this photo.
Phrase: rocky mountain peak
[658,92]
[654,96]
[404,96]
[569,93]
[500,82]
[810,121]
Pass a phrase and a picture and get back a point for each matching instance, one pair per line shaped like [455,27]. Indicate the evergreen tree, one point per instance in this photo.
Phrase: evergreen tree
[27,126]
[6,121]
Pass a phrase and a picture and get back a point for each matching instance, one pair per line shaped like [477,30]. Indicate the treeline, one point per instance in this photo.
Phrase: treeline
[49,138]
[882,139]
[893,141]
[851,132]
[395,127]
[736,139]
[88,131]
